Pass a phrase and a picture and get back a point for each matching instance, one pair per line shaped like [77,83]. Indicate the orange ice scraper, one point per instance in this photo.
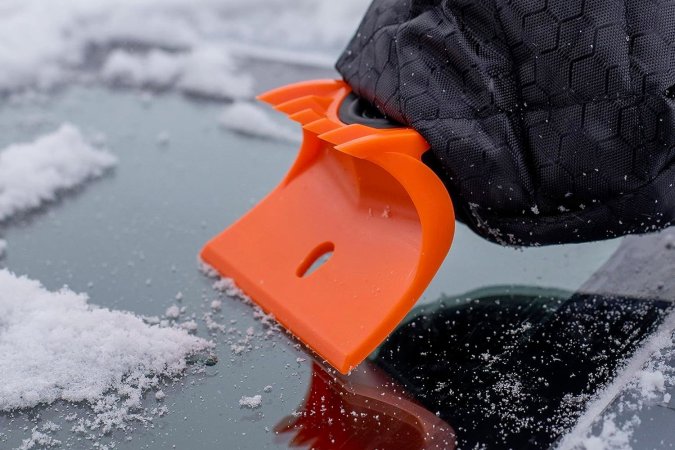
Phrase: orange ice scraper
[342,249]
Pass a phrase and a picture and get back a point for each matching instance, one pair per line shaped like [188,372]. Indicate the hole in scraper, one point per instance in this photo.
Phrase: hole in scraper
[317,258]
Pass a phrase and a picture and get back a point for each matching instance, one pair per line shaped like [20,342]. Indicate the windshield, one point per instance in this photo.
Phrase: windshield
[506,348]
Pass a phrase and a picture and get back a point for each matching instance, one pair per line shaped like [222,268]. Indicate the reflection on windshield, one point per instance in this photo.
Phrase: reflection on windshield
[514,367]
[366,410]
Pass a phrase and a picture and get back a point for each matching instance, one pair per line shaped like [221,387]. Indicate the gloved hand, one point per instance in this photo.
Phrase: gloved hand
[547,124]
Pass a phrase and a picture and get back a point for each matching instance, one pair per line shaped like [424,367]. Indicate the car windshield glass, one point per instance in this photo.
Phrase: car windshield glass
[505,348]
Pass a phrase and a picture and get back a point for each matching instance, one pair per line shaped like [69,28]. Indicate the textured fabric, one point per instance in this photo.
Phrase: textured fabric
[549,121]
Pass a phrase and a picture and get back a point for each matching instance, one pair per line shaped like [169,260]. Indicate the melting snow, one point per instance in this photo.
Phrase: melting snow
[33,173]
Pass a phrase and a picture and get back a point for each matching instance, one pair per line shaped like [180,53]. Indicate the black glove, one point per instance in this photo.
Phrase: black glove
[547,124]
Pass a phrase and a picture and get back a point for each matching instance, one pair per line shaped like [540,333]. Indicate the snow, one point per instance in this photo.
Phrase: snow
[39,439]
[250,402]
[3,247]
[33,173]
[610,438]
[204,72]
[187,45]
[650,383]
[172,312]
[252,120]
[642,382]
[56,346]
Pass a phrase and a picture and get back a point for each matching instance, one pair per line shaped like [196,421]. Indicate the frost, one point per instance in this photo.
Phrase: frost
[33,173]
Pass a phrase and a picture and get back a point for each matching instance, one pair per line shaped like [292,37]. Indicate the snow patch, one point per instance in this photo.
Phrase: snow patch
[643,381]
[56,346]
[33,173]
[39,439]
[252,120]
[611,437]
[164,43]
[651,382]
[250,402]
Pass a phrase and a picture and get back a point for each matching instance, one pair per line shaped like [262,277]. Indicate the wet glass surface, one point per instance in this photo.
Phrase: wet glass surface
[130,240]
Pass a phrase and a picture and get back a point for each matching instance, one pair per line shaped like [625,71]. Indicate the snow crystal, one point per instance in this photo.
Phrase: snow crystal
[250,402]
[172,312]
[230,288]
[190,326]
[216,305]
[252,120]
[55,346]
[33,173]
[39,439]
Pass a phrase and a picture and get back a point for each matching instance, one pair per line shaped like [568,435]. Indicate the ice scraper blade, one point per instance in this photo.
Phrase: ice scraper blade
[342,249]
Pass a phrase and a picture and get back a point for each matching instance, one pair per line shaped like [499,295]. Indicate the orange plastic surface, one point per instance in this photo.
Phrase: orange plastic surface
[364,197]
